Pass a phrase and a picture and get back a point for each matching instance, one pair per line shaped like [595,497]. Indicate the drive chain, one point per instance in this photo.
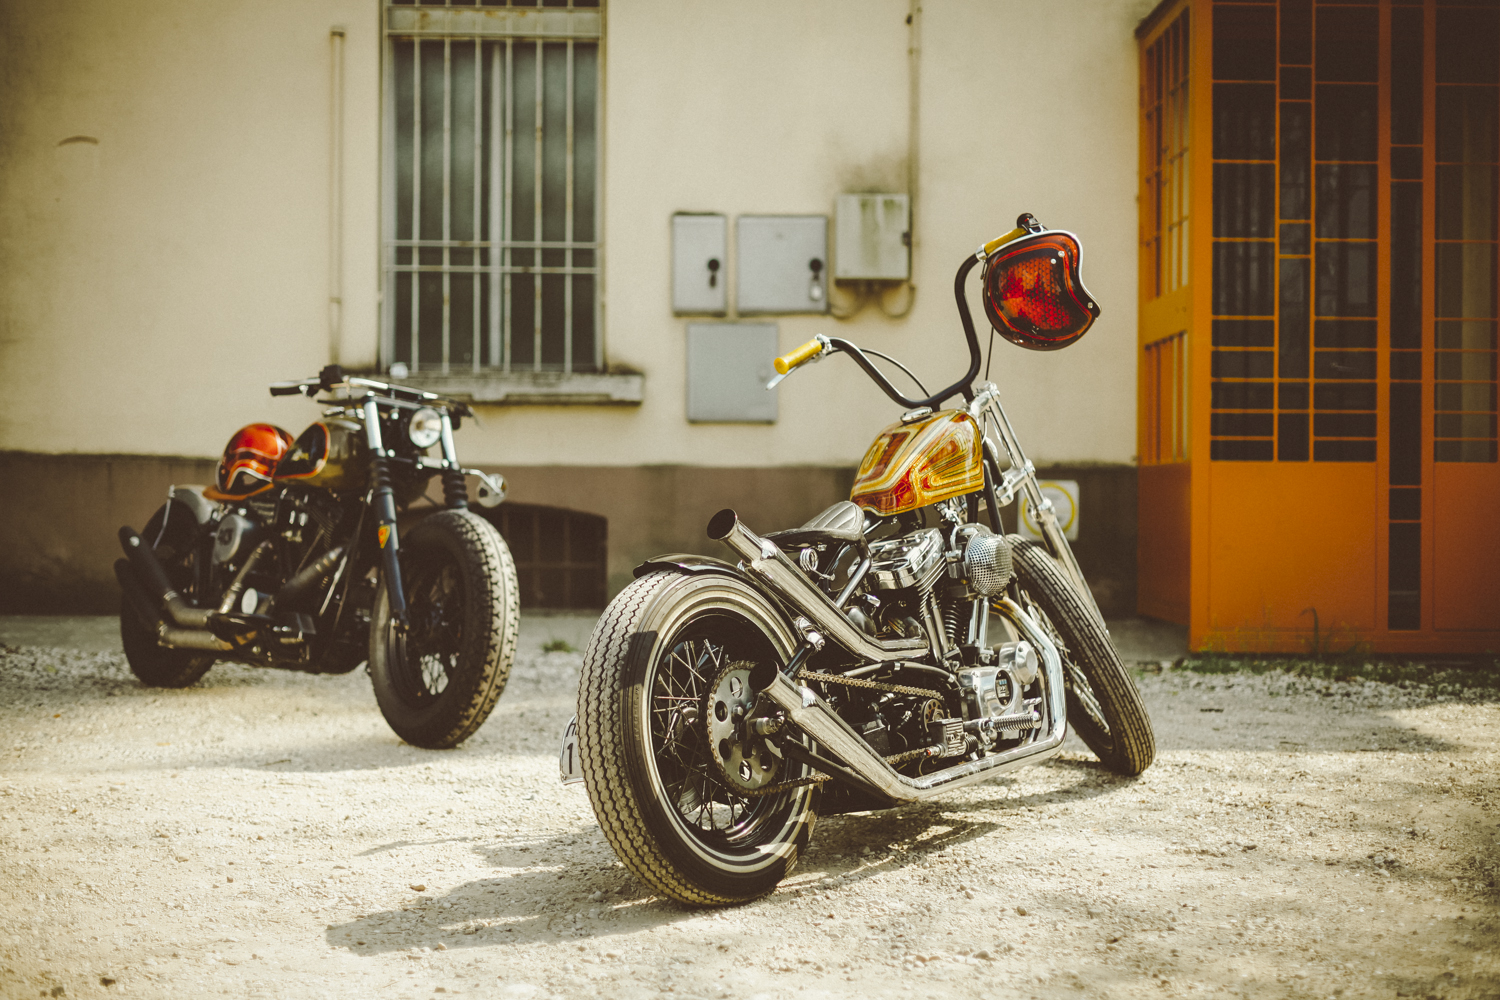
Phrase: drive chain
[860,682]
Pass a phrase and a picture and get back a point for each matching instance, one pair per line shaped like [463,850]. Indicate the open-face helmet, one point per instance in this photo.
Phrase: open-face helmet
[1034,294]
[250,460]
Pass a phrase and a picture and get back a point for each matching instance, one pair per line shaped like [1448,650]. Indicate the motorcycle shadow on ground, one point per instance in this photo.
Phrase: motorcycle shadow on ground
[571,887]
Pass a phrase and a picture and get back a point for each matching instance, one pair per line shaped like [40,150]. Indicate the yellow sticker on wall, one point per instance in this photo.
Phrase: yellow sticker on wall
[1064,496]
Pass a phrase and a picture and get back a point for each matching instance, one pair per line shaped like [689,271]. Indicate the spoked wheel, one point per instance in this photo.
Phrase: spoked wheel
[691,799]
[1104,706]
[175,548]
[431,647]
[438,681]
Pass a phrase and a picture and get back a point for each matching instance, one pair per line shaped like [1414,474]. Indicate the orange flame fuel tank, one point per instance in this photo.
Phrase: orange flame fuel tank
[916,464]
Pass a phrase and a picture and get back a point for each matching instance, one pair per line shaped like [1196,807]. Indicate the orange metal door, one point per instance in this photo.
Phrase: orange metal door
[1342,483]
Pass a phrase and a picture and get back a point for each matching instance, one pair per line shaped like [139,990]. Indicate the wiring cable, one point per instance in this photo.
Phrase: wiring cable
[899,365]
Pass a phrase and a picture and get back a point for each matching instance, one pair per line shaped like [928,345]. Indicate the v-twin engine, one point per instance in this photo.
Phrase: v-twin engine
[977,556]
[910,560]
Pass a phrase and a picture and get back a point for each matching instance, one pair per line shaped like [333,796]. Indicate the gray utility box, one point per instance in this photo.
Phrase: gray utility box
[728,366]
[872,240]
[781,263]
[699,270]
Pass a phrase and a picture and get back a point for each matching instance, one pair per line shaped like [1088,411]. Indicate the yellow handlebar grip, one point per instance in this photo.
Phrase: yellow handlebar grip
[806,352]
[1000,241]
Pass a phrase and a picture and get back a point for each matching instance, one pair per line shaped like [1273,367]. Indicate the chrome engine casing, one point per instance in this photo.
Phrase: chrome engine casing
[995,696]
[914,559]
[230,537]
[986,560]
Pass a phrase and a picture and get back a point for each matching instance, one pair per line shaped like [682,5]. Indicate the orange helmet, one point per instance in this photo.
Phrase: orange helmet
[1034,294]
[249,460]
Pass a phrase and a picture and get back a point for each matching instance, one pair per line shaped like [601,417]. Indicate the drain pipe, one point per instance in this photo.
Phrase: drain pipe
[336,200]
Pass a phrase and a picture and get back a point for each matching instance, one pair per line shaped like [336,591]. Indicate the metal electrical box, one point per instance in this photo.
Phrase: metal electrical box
[728,365]
[872,237]
[699,273]
[781,263]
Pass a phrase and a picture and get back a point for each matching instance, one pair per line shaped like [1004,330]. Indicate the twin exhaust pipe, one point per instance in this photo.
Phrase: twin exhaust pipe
[142,578]
[768,564]
[181,624]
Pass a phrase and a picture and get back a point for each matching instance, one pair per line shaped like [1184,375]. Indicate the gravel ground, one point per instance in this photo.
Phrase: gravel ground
[265,835]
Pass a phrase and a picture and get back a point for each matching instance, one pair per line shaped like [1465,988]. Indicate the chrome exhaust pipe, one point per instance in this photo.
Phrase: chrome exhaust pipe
[166,635]
[153,579]
[771,566]
[813,715]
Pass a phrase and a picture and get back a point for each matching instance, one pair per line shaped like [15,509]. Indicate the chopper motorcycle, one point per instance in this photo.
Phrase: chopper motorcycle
[293,559]
[893,648]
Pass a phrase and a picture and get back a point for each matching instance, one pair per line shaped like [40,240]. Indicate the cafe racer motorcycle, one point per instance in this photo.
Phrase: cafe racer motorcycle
[896,646]
[293,559]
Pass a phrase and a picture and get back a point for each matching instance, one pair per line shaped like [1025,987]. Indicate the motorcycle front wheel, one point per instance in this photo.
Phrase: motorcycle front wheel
[664,676]
[439,680]
[1104,707]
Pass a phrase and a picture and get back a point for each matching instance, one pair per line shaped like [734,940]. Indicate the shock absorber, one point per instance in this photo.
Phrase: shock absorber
[455,489]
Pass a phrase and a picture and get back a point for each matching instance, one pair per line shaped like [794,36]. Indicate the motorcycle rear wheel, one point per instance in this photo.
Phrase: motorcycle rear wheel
[154,664]
[439,682]
[1104,707]
[651,777]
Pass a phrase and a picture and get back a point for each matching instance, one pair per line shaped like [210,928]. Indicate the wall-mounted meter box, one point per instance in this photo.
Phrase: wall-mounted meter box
[699,272]
[872,237]
[781,263]
[728,366]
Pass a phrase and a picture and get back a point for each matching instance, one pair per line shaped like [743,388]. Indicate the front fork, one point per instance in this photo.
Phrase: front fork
[1021,477]
[383,502]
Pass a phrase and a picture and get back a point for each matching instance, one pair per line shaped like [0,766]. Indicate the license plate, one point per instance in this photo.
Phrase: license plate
[567,761]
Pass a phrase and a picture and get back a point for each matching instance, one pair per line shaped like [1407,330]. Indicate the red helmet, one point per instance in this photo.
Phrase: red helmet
[1033,292]
[249,460]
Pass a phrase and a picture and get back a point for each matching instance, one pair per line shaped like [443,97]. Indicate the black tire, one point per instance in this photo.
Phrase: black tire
[1104,706]
[438,684]
[175,548]
[668,815]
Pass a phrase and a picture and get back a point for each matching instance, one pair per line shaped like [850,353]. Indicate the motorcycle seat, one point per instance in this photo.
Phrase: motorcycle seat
[843,523]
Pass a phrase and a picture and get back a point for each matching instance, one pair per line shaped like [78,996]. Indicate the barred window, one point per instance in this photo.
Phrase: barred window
[491,249]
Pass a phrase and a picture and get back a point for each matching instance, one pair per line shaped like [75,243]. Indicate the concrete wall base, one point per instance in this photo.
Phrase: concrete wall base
[61,513]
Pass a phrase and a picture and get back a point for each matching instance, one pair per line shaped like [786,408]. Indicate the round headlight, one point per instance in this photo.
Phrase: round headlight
[425,428]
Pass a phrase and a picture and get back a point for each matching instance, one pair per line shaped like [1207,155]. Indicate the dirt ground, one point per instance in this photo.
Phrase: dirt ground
[266,835]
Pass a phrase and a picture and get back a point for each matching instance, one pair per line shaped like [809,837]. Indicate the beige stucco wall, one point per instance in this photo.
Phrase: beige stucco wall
[152,283]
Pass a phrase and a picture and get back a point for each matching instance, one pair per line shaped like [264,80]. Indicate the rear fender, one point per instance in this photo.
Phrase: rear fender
[686,562]
[193,499]
[696,565]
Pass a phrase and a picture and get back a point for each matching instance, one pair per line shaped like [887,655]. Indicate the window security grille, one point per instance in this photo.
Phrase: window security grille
[1165,395]
[1166,184]
[491,226]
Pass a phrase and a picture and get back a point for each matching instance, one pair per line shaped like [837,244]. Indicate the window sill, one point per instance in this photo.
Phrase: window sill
[535,388]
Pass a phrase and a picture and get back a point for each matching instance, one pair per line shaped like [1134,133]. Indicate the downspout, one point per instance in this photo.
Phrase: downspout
[913,122]
[913,150]
[336,199]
